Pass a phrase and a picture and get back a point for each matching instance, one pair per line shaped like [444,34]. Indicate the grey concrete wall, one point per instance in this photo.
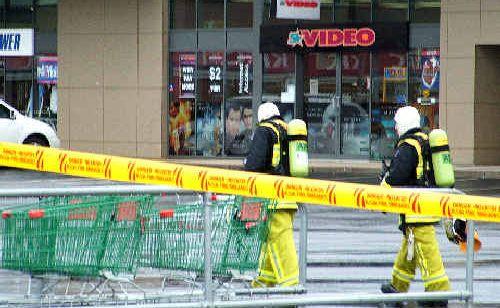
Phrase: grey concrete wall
[465,24]
[112,64]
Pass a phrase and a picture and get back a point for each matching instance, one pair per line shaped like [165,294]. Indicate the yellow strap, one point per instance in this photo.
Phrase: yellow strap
[414,143]
[276,146]
[420,172]
[267,124]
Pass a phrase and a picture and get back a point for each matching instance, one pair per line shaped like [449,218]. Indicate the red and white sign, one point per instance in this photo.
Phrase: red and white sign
[298,9]
[349,37]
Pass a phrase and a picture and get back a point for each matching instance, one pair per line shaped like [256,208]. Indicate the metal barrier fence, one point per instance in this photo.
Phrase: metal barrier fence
[208,298]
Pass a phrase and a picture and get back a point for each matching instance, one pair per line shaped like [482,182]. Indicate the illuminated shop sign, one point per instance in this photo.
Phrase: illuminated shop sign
[46,70]
[331,37]
[16,42]
[327,37]
[298,9]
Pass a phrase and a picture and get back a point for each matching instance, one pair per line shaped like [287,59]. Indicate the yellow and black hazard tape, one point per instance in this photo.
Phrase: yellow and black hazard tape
[366,197]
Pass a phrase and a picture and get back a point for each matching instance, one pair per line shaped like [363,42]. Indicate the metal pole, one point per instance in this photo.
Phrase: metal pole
[341,299]
[90,190]
[209,298]
[303,245]
[469,279]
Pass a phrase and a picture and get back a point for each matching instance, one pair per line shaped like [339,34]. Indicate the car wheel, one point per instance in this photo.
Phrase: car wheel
[36,140]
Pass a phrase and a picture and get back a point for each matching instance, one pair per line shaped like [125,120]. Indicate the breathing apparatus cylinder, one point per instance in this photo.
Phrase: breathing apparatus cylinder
[297,145]
[441,159]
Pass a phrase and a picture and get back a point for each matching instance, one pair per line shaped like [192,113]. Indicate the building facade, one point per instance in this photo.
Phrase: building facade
[184,78]
[28,63]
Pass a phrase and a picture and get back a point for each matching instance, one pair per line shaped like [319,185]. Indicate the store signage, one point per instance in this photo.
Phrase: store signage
[331,37]
[187,64]
[430,69]
[395,73]
[328,37]
[214,76]
[244,63]
[16,42]
[46,70]
[298,9]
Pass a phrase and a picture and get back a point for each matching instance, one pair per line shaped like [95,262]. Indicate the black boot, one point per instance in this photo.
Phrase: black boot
[443,303]
[389,288]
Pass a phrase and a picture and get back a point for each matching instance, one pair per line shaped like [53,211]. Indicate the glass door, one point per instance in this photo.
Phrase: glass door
[355,104]
[337,103]
[322,103]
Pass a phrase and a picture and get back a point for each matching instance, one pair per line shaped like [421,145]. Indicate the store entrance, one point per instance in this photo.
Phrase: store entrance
[336,101]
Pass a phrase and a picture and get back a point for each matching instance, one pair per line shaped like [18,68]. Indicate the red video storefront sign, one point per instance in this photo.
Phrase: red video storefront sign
[302,3]
[349,37]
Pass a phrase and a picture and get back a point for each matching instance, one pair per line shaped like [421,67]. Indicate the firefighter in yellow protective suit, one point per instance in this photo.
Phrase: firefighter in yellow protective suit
[412,166]
[268,153]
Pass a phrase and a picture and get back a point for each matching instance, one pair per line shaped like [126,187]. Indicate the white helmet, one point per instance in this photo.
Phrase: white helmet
[267,111]
[406,118]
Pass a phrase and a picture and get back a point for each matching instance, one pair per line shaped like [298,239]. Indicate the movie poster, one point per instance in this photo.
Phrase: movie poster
[208,129]
[238,127]
[181,127]
[430,70]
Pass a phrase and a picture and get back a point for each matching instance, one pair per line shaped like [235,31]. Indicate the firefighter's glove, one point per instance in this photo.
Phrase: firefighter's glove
[455,230]
[384,172]
[459,229]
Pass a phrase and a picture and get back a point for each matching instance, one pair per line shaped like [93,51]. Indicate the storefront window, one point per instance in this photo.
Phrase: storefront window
[181,128]
[238,113]
[19,13]
[320,109]
[28,81]
[352,10]
[210,14]
[426,11]
[424,84]
[239,13]
[46,61]
[18,81]
[388,94]
[209,104]
[278,82]
[391,10]
[182,14]
[355,127]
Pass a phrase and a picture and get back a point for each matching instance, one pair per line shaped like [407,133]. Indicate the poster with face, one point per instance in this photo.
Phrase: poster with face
[208,129]
[238,127]
[181,127]
[430,69]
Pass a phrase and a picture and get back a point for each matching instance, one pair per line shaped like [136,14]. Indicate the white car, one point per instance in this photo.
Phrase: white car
[17,128]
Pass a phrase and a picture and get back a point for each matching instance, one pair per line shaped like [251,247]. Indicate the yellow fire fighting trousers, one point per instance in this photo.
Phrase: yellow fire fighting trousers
[278,262]
[426,256]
